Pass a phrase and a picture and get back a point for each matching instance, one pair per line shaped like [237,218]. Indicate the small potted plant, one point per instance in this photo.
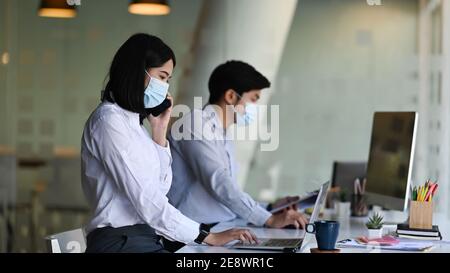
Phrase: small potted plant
[375,226]
[343,206]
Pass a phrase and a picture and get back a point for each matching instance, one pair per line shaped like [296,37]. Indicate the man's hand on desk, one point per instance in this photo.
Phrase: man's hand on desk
[286,218]
[224,237]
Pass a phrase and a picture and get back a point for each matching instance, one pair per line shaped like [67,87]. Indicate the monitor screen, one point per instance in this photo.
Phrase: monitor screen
[390,158]
[345,173]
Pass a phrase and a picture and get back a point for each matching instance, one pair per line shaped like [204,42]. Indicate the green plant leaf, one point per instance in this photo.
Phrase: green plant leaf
[375,222]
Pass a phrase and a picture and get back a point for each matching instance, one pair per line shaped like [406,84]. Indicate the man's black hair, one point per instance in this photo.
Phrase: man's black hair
[236,75]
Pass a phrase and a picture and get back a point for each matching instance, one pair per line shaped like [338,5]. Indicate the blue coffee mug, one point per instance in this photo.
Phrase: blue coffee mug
[326,233]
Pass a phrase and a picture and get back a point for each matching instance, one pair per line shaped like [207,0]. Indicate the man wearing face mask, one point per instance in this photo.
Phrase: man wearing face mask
[204,185]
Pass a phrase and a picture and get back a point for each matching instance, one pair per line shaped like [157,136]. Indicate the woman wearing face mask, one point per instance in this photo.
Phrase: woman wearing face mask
[126,172]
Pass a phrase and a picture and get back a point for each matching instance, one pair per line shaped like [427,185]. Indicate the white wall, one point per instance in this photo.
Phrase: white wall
[253,31]
[434,147]
[343,60]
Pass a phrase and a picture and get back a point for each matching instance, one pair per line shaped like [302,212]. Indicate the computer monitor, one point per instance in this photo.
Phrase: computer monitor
[345,173]
[391,159]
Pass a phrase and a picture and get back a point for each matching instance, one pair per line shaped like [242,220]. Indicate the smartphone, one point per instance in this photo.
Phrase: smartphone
[156,111]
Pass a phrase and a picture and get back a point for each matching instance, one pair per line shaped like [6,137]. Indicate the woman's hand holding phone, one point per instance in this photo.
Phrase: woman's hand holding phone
[160,123]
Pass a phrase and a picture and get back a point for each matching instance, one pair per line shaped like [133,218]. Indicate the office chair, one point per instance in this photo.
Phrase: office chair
[73,241]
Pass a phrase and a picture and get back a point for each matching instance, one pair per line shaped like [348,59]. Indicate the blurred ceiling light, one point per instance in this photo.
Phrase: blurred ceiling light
[5,58]
[57,9]
[149,7]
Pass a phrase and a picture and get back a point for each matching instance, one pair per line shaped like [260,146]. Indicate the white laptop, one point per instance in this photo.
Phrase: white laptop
[289,244]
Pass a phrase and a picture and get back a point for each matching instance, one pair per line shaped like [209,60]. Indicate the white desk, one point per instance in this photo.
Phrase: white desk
[350,227]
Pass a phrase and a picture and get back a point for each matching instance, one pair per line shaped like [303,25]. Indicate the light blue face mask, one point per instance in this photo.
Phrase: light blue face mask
[249,115]
[155,93]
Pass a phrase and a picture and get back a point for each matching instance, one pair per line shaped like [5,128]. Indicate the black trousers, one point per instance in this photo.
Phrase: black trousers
[129,239]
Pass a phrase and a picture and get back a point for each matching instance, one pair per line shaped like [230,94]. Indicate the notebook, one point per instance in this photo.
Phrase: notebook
[404,231]
[425,238]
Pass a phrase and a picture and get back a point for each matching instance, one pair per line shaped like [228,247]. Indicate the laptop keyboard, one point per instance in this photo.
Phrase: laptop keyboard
[282,242]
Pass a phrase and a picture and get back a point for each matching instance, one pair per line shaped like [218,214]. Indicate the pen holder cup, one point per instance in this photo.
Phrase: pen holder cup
[359,205]
[421,215]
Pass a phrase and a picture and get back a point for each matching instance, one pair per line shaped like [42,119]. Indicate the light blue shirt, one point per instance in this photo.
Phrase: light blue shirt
[204,185]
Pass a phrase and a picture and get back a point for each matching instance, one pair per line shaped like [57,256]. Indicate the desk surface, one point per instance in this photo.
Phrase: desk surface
[351,227]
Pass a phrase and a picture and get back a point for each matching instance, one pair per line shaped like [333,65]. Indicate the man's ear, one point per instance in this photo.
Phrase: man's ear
[230,97]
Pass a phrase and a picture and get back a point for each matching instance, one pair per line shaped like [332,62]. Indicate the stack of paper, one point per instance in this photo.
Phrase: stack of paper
[400,246]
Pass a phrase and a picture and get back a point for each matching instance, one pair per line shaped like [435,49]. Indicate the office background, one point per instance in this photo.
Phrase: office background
[332,64]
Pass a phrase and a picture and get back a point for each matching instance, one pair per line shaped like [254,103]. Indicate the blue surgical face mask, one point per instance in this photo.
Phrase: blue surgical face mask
[155,93]
[249,115]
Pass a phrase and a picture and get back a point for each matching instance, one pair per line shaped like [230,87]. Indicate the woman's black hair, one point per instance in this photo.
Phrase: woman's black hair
[126,83]
[236,75]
